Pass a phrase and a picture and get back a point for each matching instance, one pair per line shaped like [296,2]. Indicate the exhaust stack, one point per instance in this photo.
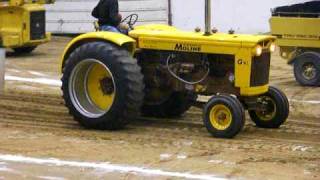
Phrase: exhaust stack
[207,17]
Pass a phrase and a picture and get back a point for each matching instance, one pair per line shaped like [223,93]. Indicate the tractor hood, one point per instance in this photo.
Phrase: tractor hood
[169,38]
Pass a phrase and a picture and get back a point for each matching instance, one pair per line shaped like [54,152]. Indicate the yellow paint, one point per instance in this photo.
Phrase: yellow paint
[296,28]
[220,117]
[243,68]
[101,100]
[163,37]
[115,38]
[243,47]
[158,27]
[311,43]
[15,24]
[16,2]
[254,91]
[295,32]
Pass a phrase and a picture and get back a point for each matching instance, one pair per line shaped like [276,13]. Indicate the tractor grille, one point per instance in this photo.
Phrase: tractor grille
[260,69]
[37,25]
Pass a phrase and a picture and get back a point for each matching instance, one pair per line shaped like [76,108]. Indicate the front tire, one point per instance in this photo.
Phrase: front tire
[224,116]
[24,50]
[275,112]
[307,69]
[102,86]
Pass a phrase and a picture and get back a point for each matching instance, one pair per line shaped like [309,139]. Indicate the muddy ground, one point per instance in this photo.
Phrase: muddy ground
[35,123]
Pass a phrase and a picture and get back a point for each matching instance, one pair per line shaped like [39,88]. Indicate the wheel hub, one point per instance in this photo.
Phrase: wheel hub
[267,109]
[220,117]
[106,85]
[309,71]
[92,88]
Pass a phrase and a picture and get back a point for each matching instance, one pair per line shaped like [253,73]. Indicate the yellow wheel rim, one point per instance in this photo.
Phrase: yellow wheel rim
[220,117]
[91,88]
[270,113]
[97,78]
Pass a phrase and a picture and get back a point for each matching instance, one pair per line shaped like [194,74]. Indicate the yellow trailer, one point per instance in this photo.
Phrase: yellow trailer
[298,36]
[22,24]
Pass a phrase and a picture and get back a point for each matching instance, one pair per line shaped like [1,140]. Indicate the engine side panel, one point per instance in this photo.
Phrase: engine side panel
[200,73]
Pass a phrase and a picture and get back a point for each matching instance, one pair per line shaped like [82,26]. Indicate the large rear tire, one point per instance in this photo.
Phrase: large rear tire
[276,109]
[176,104]
[102,86]
[307,69]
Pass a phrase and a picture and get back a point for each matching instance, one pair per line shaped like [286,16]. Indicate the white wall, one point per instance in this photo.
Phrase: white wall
[74,16]
[244,16]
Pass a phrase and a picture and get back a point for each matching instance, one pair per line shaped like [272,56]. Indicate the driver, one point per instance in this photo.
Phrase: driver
[107,13]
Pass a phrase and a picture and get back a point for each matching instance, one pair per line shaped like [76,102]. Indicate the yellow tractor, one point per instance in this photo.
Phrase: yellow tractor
[298,35]
[159,71]
[22,24]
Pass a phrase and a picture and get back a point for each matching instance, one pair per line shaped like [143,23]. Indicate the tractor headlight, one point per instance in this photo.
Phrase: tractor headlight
[258,50]
[272,47]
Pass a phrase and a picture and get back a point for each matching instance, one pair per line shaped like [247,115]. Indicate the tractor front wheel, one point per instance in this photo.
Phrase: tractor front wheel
[102,86]
[272,109]
[24,50]
[224,116]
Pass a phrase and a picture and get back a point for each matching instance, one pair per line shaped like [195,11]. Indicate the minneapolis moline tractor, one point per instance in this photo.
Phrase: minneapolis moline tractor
[159,71]
[22,24]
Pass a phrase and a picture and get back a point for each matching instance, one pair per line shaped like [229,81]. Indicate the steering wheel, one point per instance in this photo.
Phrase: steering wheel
[131,20]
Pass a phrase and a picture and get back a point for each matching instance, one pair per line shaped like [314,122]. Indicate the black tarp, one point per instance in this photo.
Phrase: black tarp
[307,9]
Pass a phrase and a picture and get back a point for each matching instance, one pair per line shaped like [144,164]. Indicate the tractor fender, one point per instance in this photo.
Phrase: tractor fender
[110,37]
[296,58]
[293,57]
[292,60]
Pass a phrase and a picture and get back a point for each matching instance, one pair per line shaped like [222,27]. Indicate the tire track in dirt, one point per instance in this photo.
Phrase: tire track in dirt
[50,110]
[195,114]
[32,97]
[251,132]
[312,123]
[28,112]
[199,142]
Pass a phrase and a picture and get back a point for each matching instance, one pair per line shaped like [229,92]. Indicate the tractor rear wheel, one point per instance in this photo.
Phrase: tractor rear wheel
[307,69]
[174,106]
[102,86]
[24,50]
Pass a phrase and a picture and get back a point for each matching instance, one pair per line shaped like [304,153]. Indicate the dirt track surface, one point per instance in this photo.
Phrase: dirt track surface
[35,123]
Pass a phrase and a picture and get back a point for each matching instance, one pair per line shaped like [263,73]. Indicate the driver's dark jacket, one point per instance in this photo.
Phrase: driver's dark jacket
[107,12]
